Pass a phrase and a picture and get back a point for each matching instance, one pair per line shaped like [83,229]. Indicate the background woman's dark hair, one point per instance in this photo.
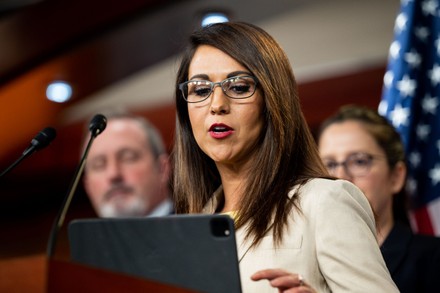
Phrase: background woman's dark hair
[286,153]
[386,137]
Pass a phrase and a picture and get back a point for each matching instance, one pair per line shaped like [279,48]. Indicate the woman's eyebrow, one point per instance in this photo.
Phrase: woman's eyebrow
[232,74]
[235,73]
[201,76]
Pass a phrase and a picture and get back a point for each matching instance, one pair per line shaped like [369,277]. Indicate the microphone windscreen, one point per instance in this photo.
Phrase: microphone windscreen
[44,138]
[97,124]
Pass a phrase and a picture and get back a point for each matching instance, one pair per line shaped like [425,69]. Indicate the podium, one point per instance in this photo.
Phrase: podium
[35,273]
[63,276]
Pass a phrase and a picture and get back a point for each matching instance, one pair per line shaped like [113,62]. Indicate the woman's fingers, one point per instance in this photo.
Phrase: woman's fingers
[279,278]
[268,274]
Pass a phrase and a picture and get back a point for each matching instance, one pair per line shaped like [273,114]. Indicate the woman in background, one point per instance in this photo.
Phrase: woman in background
[243,147]
[359,145]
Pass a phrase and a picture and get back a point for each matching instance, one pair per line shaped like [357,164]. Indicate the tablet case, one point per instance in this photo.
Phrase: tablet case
[196,252]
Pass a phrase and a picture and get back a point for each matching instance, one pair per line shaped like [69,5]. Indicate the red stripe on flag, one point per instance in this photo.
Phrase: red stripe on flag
[423,221]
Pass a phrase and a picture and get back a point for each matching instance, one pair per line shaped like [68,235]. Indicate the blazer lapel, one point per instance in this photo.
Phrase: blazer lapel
[243,245]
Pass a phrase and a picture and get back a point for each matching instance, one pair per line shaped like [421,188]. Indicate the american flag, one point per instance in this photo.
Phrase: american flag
[410,100]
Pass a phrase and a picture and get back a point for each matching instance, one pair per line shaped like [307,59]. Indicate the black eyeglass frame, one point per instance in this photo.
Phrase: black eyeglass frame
[220,83]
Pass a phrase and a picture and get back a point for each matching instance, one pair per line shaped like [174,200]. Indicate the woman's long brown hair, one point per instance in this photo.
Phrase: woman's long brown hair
[286,154]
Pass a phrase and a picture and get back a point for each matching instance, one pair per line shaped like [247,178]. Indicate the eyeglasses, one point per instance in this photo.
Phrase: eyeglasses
[356,165]
[237,87]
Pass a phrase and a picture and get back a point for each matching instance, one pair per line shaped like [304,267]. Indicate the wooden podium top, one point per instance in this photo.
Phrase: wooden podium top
[71,277]
[23,274]
[37,274]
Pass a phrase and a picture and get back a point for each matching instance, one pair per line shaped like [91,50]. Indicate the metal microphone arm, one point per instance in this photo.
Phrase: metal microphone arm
[97,125]
[41,140]
[13,165]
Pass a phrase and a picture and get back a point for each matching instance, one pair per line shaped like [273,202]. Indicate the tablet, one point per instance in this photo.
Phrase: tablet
[196,252]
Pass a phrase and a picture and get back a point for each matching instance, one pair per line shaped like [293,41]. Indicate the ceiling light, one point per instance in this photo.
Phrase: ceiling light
[59,92]
[214,17]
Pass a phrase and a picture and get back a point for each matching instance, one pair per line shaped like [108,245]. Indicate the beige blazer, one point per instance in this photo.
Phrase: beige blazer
[332,244]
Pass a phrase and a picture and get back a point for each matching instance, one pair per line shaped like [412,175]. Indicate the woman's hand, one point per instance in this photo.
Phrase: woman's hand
[286,282]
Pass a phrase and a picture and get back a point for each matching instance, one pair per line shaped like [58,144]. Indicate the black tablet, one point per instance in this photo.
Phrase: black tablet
[196,252]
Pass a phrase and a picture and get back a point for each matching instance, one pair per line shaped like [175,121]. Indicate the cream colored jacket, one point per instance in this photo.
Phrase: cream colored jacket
[332,244]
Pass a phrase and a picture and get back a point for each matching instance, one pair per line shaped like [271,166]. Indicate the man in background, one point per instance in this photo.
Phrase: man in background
[127,170]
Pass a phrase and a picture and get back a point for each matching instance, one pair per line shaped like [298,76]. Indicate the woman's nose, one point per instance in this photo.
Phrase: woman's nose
[219,101]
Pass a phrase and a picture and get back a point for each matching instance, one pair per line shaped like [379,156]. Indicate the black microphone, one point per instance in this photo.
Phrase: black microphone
[97,124]
[41,140]
[96,127]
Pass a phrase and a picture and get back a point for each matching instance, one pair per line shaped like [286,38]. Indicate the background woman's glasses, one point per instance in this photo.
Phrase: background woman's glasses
[356,164]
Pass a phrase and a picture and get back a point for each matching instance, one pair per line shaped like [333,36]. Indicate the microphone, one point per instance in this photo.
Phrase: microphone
[41,140]
[97,124]
[96,127]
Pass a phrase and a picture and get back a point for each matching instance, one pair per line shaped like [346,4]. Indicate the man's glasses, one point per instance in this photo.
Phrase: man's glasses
[237,87]
[356,165]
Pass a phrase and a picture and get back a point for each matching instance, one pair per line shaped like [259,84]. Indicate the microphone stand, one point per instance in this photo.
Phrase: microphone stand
[59,220]
[97,125]
[41,140]
[25,154]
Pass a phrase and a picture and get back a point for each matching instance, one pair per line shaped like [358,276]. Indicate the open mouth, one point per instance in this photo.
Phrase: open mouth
[220,130]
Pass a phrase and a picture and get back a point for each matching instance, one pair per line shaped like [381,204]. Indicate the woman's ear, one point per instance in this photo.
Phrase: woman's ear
[398,177]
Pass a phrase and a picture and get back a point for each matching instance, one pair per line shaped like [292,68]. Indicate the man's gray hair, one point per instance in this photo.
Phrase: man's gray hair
[153,135]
